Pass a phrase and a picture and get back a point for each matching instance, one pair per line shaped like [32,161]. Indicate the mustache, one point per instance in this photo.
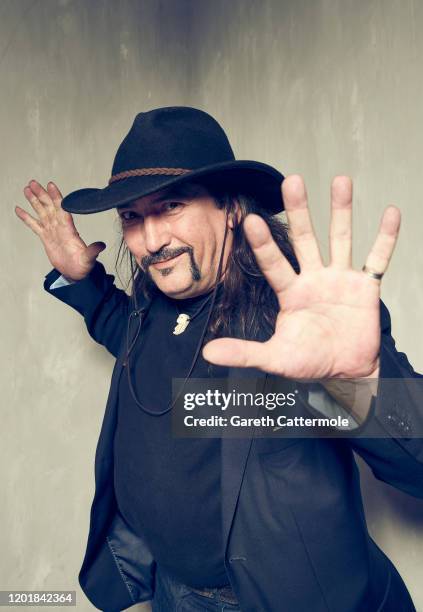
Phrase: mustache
[162,255]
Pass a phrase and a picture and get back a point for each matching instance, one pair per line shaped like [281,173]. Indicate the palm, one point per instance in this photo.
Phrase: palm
[313,334]
[328,323]
[64,247]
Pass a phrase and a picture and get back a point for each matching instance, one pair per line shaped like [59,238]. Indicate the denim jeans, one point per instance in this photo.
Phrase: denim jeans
[172,596]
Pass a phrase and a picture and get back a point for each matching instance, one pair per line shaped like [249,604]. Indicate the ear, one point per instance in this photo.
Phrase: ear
[235,217]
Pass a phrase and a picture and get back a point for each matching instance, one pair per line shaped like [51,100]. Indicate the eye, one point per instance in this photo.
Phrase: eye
[171,206]
[127,215]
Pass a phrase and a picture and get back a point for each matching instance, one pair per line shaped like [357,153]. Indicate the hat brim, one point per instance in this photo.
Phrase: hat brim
[255,178]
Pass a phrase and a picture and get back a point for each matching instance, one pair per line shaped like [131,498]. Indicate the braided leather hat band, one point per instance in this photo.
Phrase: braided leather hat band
[148,172]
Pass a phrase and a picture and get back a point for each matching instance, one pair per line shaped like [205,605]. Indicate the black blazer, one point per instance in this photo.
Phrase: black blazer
[294,531]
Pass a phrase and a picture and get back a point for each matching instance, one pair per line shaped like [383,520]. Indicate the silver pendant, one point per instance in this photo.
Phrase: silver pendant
[181,324]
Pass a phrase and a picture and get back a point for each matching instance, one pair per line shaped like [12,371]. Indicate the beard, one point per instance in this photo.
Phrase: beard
[167,253]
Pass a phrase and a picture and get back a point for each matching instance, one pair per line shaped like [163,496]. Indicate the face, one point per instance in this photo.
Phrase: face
[177,239]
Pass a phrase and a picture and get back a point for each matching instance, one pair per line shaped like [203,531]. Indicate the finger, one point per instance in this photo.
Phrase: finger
[43,196]
[32,223]
[384,245]
[301,229]
[235,353]
[340,234]
[93,251]
[57,198]
[35,203]
[274,265]
[55,194]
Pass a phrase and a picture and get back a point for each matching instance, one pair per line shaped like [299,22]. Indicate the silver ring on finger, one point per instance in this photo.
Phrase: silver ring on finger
[372,273]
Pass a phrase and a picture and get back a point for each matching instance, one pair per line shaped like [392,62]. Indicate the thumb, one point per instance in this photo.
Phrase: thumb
[93,251]
[235,353]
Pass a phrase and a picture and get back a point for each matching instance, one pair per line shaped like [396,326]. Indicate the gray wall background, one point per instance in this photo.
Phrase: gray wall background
[320,87]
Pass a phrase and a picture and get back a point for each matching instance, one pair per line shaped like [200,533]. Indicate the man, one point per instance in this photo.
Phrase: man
[251,524]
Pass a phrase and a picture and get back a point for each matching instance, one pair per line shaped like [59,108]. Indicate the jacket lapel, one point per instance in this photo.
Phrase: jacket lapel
[234,455]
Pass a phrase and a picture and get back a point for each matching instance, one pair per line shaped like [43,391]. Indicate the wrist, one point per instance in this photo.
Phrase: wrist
[355,395]
[69,279]
[77,278]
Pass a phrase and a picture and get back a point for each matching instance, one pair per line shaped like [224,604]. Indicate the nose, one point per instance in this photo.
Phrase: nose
[156,233]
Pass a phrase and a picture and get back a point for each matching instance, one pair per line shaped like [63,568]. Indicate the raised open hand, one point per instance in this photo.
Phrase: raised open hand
[328,324]
[65,249]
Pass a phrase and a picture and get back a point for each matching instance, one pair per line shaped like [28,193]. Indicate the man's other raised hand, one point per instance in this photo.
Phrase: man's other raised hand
[65,249]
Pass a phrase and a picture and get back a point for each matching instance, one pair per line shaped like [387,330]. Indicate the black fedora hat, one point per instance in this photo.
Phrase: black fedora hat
[170,145]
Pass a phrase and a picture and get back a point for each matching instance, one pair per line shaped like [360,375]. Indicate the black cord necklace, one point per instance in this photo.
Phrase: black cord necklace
[140,313]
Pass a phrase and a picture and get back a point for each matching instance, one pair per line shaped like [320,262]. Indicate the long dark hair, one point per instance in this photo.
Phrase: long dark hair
[247,304]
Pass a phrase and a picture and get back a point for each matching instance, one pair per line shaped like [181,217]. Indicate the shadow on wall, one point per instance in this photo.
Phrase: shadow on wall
[403,509]
[395,522]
